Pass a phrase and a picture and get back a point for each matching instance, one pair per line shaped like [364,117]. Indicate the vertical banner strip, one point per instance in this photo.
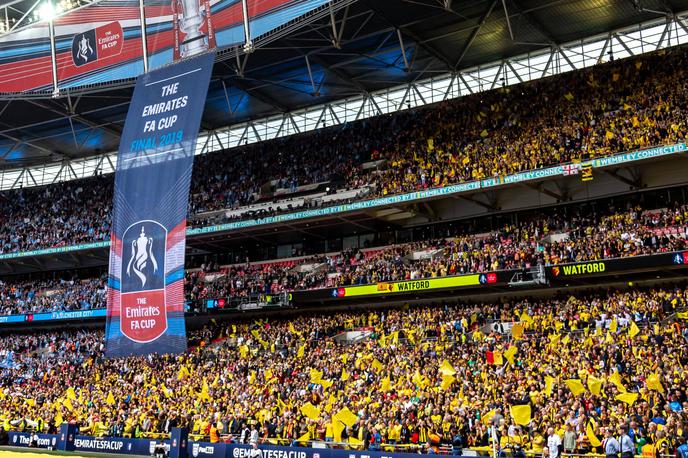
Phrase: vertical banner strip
[145,309]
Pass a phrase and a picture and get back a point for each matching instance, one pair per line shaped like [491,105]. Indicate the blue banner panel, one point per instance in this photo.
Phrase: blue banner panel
[46,441]
[123,446]
[145,310]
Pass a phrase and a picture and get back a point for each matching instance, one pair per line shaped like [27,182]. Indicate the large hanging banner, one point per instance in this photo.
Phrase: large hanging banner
[145,310]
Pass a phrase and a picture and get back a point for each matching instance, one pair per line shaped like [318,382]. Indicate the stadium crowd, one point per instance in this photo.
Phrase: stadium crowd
[34,296]
[555,238]
[582,364]
[620,106]
[587,237]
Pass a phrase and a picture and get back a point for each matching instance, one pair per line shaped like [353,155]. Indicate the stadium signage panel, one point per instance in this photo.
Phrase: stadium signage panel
[274,451]
[401,287]
[579,269]
[145,311]
[617,265]
[47,441]
[53,316]
[145,447]
[118,445]
[56,250]
[391,200]
[100,43]
[423,284]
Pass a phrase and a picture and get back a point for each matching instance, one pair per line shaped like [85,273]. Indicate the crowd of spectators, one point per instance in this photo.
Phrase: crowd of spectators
[544,240]
[620,106]
[62,214]
[425,375]
[35,296]
[554,238]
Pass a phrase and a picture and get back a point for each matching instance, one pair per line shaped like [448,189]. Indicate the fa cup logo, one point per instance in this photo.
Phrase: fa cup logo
[85,50]
[141,255]
[143,312]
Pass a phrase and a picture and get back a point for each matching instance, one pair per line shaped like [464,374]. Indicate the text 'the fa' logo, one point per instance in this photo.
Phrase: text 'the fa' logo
[141,256]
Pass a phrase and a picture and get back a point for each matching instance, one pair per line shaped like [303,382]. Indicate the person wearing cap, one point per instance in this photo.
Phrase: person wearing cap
[626,444]
[611,445]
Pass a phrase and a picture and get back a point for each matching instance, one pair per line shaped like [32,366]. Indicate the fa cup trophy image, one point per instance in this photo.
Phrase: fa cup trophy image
[192,19]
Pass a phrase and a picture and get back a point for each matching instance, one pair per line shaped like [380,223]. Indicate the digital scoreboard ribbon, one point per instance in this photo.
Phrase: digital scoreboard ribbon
[145,310]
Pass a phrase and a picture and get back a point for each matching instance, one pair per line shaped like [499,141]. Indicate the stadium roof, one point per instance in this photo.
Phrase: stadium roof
[353,49]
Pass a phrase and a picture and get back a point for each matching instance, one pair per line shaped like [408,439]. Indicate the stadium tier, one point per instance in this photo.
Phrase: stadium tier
[579,365]
[620,106]
[570,237]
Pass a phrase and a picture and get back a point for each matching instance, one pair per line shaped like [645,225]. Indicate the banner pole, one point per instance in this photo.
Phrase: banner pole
[53,57]
[144,36]
[248,44]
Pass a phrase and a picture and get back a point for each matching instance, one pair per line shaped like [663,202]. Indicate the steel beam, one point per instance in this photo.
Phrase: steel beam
[475,33]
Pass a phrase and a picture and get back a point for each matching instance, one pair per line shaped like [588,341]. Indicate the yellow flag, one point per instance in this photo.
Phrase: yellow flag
[243,351]
[337,428]
[549,384]
[521,414]
[594,385]
[301,351]
[447,369]
[488,416]
[310,411]
[395,338]
[267,375]
[347,417]
[633,330]
[377,365]
[205,395]
[568,96]
[609,339]
[447,381]
[353,441]
[305,438]
[484,133]
[614,326]
[68,404]
[653,383]
[498,359]
[615,378]
[345,375]
[510,354]
[316,376]
[590,432]
[110,399]
[575,386]
[517,331]
[526,318]
[70,393]
[628,398]
[385,384]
